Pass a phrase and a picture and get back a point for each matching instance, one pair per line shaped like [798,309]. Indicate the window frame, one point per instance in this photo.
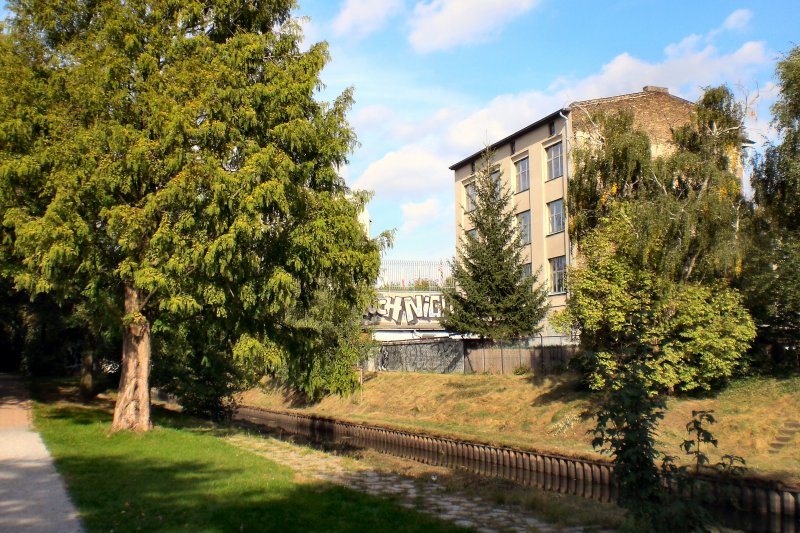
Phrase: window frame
[551,216]
[519,174]
[469,203]
[551,160]
[527,270]
[498,183]
[521,225]
[558,277]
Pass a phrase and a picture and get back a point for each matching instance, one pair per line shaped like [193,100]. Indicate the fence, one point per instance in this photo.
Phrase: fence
[449,356]
[505,358]
[397,275]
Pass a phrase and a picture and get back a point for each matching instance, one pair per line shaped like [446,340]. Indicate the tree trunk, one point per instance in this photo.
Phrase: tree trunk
[132,411]
[87,385]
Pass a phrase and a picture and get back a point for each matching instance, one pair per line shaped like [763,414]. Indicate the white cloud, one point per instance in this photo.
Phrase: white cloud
[412,181]
[421,167]
[420,214]
[738,19]
[444,24]
[359,18]
[411,170]
[399,127]
[685,70]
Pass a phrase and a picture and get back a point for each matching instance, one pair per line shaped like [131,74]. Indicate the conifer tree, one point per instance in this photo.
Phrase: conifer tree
[493,296]
[169,162]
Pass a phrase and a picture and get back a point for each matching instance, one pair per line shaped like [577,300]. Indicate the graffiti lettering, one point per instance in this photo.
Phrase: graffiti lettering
[397,309]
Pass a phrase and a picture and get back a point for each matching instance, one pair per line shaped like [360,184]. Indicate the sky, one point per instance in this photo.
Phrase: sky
[436,80]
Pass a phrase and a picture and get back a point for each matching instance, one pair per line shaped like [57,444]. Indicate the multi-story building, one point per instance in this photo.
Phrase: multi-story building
[534,163]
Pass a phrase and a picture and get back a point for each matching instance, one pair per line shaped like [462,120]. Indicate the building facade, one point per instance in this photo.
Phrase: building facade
[534,163]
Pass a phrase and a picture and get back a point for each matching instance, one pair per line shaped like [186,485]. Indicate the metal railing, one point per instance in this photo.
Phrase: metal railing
[571,475]
[409,275]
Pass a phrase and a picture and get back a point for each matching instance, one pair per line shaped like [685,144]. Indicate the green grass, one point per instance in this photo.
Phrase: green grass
[182,477]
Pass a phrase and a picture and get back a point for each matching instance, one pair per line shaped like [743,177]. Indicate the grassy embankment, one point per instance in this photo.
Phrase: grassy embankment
[552,414]
[183,477]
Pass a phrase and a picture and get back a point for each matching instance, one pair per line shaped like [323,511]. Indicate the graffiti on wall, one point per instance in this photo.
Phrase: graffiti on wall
[406,309]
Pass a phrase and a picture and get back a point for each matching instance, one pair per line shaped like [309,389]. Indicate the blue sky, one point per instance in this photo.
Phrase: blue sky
[435,80]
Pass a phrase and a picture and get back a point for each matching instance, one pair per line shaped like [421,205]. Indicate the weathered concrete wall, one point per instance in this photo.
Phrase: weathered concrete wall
[441,356]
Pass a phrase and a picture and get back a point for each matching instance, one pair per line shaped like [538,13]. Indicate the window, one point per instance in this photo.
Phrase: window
[469,189]
[524,221]
[523,175]
[497,183]
[473,233]
[556,215]
[558,271]
[551,128]
[555,167]
[527,270]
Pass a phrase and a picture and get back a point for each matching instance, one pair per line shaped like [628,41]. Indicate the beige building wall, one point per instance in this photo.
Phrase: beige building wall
[655,111]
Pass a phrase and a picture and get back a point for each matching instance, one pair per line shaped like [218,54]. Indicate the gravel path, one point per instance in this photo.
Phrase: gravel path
[32,494]
[425,496]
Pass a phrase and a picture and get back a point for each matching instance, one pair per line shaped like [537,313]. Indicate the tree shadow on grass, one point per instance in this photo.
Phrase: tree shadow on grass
[120,494]
[174,479]
[562,388]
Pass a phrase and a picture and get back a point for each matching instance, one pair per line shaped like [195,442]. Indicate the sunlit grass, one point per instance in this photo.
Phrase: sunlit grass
[182,477]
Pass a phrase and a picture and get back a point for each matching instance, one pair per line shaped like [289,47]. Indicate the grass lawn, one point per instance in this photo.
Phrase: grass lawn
[182,477]
[554,414]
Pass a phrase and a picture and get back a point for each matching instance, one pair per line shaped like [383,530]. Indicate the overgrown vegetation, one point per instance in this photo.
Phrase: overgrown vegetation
[654,297]
[771,279]
[659,243]
[493,296]
[554,414]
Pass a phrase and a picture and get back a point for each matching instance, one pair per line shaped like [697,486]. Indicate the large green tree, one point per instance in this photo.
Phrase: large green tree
[170,158]
[771,278]
[661,242]
[493,296]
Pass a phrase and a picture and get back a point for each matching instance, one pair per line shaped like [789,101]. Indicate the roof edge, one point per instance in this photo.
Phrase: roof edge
[505,140]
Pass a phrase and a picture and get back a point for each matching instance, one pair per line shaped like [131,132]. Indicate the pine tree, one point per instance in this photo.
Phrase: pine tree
[168,162]
[493,297]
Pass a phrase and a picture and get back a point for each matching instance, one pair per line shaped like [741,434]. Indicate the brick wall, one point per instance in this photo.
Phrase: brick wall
[654,111]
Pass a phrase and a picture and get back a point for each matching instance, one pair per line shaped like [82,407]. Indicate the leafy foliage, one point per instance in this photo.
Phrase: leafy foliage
[685,335]
[701,436]
[660,244]
[627,425]
[614,162]
[492,297]
[177,150]
[771,280]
